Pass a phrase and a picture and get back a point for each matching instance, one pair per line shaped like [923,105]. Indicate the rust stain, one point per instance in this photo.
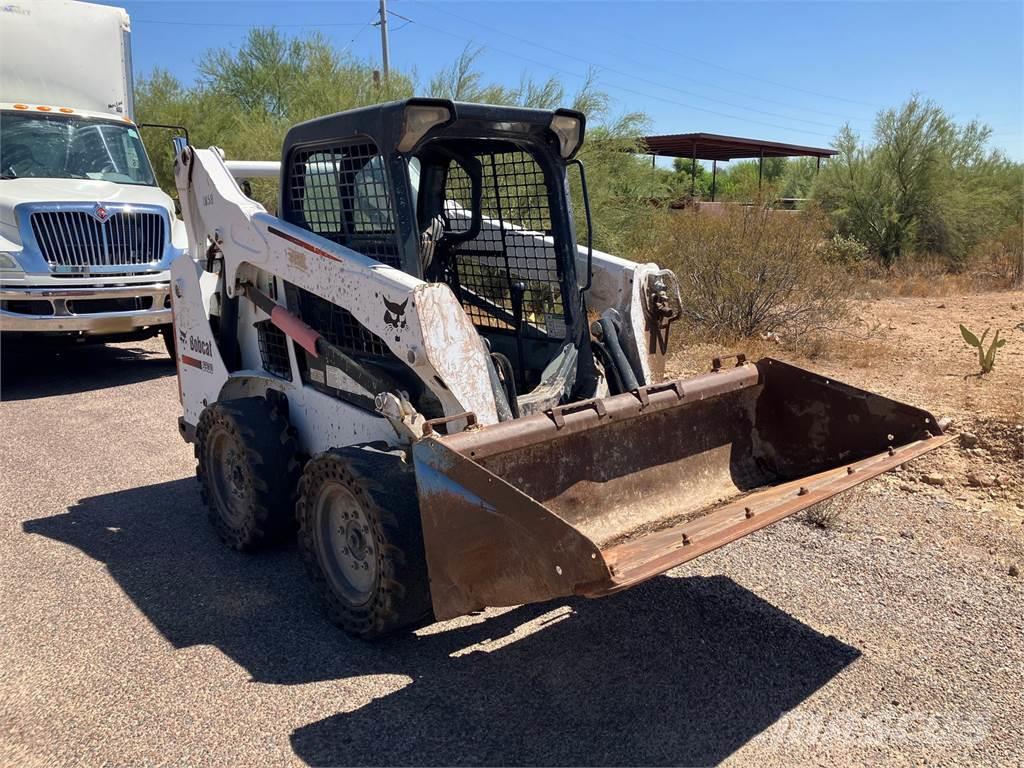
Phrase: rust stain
[595,497]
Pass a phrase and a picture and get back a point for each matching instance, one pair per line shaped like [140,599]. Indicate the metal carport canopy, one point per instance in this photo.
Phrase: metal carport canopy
[712,146]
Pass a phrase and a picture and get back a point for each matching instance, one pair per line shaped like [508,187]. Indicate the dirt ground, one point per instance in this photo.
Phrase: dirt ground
[910,349]
[129,635]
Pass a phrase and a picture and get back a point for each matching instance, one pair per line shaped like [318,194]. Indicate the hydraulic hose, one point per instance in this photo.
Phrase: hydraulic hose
[611,341]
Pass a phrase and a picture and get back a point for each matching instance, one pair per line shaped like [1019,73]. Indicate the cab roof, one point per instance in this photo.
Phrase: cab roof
[384,123]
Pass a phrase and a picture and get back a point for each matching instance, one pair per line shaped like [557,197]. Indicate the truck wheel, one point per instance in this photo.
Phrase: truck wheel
[247,471]
[362,541]
[167,332]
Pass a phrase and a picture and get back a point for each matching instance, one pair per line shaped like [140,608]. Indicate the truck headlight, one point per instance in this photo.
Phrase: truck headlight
[8,263]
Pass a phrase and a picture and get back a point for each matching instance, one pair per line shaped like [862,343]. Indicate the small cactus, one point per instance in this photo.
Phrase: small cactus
[986,357]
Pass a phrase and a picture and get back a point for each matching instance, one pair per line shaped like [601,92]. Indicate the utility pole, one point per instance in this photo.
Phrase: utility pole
[384,53]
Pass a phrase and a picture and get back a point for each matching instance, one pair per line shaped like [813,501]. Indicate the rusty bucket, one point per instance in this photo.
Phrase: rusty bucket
[595,497]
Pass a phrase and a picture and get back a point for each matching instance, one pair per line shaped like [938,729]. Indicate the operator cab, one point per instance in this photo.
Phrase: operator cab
[471,195]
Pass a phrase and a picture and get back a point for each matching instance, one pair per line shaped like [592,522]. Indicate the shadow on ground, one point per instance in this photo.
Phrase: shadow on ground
[680,671]
[42,369]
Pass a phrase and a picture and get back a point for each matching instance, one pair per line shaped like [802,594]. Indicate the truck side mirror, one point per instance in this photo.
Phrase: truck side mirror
[179,142]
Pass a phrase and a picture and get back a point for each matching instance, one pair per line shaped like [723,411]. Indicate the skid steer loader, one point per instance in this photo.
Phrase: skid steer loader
[456,404]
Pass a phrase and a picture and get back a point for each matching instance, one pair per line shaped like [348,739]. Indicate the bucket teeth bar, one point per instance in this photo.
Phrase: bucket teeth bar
[594,497]
[632,562]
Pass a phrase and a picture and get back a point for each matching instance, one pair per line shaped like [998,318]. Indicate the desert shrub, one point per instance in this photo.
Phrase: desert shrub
[998,262]
[751,271]
[845,250]
[923,183]
[922,264]
[824,514]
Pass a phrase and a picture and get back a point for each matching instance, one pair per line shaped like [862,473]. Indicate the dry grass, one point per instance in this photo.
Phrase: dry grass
[824,514]
[746,273]
[827,514]
[993,264]
[856,352]
[998,262]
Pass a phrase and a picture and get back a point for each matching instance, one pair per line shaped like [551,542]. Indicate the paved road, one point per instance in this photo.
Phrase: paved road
[130,635]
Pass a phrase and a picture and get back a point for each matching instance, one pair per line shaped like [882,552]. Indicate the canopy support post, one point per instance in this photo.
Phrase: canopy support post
[714,177]
[693,171]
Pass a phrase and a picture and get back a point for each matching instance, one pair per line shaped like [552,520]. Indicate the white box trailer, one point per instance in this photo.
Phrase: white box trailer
[67,52]
[86,235]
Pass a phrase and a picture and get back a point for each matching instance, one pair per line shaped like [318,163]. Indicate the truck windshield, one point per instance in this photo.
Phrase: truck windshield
[63,147]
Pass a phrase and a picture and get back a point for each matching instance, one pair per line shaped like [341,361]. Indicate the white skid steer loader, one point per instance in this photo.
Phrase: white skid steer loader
[458,406]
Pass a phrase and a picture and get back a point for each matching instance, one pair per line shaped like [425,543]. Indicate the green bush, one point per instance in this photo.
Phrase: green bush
[924,184]
[847,251]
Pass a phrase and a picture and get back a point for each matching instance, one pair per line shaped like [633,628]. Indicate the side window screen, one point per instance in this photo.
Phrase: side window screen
[341,192]
[515,244]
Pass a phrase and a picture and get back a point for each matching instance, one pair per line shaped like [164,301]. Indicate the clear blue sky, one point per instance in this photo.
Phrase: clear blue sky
[773,70]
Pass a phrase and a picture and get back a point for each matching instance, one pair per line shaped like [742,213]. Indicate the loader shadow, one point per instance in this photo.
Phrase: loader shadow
[679,670]
[39,369]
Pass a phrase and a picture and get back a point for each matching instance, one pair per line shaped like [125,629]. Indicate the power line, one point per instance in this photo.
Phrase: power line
[230,24]
[748,75]
[638,78]
[748,95]
[355,37]
[626,89]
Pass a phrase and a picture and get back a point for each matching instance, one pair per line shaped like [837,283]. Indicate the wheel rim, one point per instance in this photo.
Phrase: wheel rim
[229,478]
[347,548]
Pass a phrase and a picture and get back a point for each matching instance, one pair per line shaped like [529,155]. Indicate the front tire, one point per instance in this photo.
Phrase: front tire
[247,471]
[167,332]
[362,541]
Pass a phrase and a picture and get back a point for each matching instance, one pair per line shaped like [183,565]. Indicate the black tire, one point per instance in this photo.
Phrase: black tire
[365,501]
[167,332]
[248,471]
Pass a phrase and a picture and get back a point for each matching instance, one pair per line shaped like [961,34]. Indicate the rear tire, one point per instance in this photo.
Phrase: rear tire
[362,542]
[247,471]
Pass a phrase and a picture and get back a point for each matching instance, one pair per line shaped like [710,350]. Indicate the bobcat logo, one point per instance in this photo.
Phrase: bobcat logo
[394,315]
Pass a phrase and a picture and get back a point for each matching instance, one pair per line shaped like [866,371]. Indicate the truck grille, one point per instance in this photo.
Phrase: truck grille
[78,239]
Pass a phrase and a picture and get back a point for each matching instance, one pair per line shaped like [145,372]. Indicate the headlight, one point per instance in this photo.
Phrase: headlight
[569,130]
[418,119]
[8,263]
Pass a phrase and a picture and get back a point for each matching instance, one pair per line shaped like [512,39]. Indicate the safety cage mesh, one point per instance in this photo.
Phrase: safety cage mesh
[515,244]
[341,192]
[273,349]
[336,324]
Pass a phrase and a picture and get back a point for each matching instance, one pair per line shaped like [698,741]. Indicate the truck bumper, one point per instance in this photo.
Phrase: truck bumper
[93,310]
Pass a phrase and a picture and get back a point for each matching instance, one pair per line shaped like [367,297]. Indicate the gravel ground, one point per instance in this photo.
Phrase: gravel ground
[129,635]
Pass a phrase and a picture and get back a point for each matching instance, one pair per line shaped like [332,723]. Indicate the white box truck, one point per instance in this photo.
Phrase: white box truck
[86,235]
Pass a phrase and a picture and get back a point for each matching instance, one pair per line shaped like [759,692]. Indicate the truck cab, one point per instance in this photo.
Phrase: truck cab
[86,234]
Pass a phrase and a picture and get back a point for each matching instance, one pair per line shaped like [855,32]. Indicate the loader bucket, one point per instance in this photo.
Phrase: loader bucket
[595,497]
